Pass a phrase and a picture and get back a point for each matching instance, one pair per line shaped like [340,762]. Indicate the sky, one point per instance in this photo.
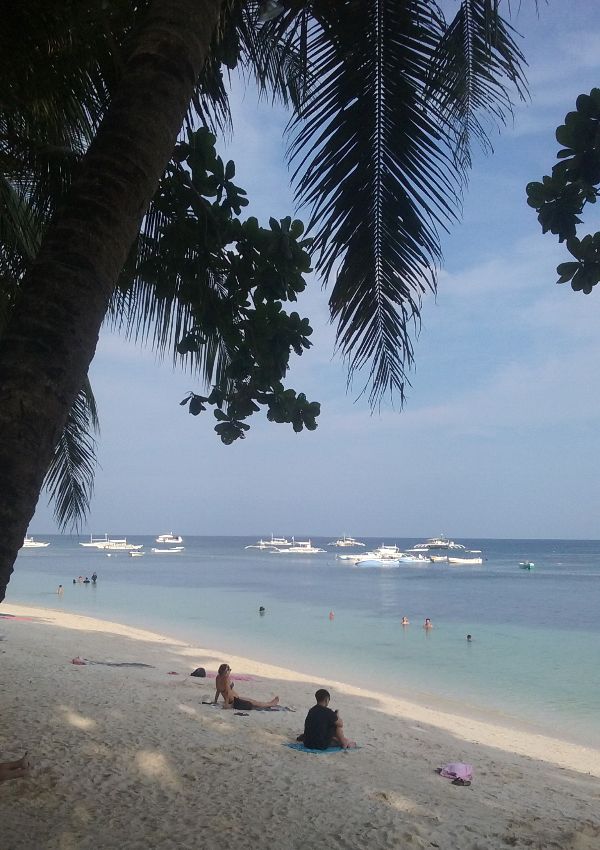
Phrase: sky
[498,435]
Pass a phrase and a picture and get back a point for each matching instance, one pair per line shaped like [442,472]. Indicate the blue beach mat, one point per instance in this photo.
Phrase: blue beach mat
[298,745]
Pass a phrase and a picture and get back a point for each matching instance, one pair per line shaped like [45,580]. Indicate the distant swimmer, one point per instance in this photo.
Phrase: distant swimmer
[94,578]
[405,621]
[469,638]
[60,590]
[427,624]
[331,615]
[86,580]
[261,611]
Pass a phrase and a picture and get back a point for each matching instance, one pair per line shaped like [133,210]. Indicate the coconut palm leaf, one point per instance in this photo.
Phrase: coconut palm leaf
[477,53]
[70,478]
[375,158]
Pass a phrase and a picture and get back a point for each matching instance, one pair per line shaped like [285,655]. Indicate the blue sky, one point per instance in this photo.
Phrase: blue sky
[499,432]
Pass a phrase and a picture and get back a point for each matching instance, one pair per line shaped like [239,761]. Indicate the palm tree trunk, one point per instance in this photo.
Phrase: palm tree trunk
[51,337]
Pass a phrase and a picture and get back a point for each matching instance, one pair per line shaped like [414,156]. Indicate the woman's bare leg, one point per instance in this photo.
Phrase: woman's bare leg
[257,704]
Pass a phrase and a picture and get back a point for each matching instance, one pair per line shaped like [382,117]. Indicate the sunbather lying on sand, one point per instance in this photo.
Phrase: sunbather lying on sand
[14,769]
[224,687]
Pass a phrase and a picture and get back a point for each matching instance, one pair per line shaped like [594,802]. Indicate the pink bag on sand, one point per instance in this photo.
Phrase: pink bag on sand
[457,770]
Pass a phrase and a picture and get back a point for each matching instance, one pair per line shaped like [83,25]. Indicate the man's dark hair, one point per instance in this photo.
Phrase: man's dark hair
[322,694]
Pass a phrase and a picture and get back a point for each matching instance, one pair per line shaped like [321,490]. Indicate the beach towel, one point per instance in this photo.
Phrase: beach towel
[298,745]
[457,770]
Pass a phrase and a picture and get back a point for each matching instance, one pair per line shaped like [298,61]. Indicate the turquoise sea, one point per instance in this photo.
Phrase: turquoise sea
[533,661]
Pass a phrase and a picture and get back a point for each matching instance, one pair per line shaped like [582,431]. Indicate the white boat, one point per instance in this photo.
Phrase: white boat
[169,538]
[345,542]
[173,550]
[383,552]
[299,547]
[96,542]
[30,543]
[436,543]
[111,544]
[377,562]
[136,554]
[465,561]
[414,558]
[273,543]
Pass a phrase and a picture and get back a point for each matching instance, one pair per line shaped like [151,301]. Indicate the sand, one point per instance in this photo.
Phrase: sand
[128,757]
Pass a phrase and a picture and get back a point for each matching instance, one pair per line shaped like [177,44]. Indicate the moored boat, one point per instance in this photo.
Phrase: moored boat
[526,565]
[298,547]
[377,562]
[169,538]
[440,543]
[346,542]
[111,544]
[172,550]
[414,558]
[383,552]
[30,543]
[469,562]
[273,543]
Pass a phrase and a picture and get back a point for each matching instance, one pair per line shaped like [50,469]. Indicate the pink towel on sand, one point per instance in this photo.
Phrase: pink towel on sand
[457,770]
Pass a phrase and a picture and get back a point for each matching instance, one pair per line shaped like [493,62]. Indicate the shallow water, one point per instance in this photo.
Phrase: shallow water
[536,635]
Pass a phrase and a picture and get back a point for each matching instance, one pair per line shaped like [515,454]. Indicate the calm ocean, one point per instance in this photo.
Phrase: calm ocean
[534,658]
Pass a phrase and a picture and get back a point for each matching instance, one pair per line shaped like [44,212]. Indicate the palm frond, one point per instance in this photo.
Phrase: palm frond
[270,55]
[372,165]
[375,162]
[70,478]
[475,57]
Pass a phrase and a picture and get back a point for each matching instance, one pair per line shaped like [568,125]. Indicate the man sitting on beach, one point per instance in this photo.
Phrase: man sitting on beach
[323,727]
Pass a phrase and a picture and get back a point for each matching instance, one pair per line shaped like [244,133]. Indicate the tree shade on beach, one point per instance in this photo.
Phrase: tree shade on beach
[382,132]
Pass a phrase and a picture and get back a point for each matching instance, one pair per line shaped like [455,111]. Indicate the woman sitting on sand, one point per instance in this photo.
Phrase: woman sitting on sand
[224,688]
[14,769]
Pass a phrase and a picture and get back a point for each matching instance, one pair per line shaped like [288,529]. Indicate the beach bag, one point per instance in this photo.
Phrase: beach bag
[199,671]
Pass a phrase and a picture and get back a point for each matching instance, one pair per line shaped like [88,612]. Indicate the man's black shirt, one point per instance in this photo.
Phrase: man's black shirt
[319,727]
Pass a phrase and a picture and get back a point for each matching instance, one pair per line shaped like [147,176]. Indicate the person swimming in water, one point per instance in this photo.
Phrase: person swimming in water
[427,624]
[224,688]
[405,621]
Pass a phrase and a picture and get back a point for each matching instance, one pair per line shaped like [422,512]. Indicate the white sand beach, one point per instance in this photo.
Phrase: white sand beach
[128,757]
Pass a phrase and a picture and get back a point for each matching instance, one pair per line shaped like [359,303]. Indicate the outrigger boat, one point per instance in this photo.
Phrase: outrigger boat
[273,543]
[298,547]
[345,542]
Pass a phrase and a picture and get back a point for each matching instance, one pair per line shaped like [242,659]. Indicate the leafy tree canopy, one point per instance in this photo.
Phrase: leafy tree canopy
[561,198]
[228,279]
